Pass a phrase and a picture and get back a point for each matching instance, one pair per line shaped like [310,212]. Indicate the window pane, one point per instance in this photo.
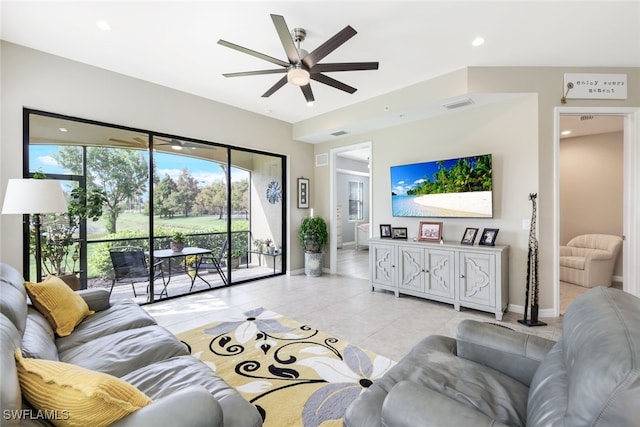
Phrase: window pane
[260,246]
[356,201]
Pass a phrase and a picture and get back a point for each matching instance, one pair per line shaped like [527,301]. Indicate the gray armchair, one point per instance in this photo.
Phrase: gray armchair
[494,376]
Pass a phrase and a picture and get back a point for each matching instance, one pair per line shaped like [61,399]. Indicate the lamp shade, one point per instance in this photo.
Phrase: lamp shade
[33,196]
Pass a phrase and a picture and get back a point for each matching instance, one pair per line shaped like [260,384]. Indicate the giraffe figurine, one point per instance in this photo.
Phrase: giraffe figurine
[532,271]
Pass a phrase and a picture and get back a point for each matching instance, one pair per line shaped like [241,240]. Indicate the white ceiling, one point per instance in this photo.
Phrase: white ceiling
[174,44]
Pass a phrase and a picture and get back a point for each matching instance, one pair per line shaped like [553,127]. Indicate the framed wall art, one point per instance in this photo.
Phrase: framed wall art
[303,193]
[430,231]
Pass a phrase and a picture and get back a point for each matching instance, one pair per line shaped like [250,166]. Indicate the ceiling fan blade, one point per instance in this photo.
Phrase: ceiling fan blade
[275,87]
[135,141]
[286,39]
[308,93]
[344,66]
[253,53]
[333,83]
[329,46]
[256,73]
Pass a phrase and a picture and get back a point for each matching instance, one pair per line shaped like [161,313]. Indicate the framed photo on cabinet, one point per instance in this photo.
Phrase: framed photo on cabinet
[469,236]
[488,237]
[430,231]
[399,233]
[385,231]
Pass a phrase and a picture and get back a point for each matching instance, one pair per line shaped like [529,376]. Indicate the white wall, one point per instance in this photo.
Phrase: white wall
[45,82]
[507,130]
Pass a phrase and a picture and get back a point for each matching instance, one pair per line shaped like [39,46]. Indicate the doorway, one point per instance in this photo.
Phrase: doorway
[630,200]
[350,207]
[591,185]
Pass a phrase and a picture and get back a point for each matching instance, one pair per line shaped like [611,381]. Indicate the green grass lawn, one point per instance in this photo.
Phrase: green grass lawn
[190,224]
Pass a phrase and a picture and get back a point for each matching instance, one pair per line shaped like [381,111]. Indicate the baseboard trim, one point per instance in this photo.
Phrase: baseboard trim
[545,312]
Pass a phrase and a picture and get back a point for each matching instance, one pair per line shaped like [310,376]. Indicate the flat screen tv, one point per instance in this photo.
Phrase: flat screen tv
[452,188]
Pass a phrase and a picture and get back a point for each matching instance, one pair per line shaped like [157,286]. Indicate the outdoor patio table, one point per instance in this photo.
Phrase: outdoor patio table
[198,253]
[274,255]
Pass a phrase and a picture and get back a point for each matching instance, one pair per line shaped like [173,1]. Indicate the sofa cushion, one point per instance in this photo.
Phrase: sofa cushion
[595,366]
[77,396]
[576,262]
[13,303]
[167,377]
[10,338]
[38,341]
[62,307]
[122,316]
[125,351]
[433,363]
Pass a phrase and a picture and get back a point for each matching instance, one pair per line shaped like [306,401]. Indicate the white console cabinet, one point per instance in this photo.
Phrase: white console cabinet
[465,276]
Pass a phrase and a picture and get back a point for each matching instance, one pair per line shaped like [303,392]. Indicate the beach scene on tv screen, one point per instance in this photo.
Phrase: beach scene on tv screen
[460,187]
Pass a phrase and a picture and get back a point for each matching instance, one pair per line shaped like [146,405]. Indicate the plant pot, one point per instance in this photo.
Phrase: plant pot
[71,280]
[313,264]
[235,262]
[177,246]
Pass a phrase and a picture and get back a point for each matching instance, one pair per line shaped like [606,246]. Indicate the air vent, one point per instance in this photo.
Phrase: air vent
[458,103]
[339,133]
[322,159]
[583,118]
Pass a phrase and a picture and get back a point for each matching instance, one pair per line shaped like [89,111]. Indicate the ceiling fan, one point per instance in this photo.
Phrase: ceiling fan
[174,143]
[303,66]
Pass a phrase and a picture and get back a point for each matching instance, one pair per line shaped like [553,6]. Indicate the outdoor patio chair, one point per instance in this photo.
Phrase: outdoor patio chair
[214,262]
[130,266]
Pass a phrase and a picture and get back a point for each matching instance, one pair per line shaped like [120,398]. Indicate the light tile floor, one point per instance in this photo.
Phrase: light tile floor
[339,305]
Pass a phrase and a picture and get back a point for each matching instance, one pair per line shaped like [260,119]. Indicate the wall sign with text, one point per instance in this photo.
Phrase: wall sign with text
[595,86]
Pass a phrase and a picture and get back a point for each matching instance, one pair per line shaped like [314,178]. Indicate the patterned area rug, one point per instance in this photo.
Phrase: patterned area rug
[294,374]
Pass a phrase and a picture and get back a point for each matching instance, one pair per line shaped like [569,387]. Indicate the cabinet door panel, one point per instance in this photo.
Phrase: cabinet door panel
[477,278]
[411,269]
[383,264]
[440,277]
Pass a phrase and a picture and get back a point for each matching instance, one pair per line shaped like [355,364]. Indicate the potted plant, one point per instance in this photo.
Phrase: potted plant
[59,245]
[258,243]
[236,254]
[177,242]
[313,236]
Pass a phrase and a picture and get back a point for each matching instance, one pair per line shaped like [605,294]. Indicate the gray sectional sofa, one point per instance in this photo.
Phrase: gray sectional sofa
[494,376]
[124,341]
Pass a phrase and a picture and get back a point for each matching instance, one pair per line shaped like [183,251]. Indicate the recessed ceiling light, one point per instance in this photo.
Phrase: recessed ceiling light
[63,129]
[565,132]
[310,104]
[103,25]
[478,41]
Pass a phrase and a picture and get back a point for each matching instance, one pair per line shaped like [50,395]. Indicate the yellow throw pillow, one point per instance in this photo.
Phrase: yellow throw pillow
[63,308]
[75,396]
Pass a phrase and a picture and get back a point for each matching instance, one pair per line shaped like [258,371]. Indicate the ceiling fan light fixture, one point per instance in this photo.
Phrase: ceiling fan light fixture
[176,147]
[298,76]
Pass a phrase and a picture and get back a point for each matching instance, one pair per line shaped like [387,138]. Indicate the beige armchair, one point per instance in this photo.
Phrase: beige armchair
[588,260]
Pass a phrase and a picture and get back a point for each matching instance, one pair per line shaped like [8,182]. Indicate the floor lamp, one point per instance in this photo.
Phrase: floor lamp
[34,197]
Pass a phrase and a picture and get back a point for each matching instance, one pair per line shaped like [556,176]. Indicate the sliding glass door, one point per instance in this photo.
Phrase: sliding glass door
[225,205]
